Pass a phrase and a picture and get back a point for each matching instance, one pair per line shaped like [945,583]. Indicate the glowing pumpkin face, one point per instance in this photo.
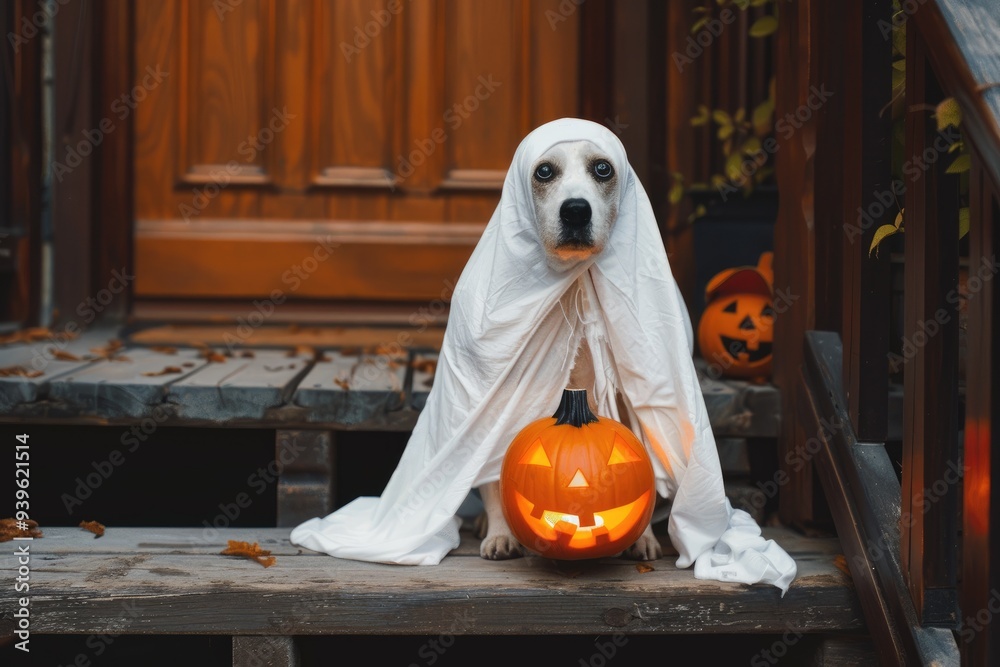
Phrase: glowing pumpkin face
[577,486]
[736,333]
[736,330]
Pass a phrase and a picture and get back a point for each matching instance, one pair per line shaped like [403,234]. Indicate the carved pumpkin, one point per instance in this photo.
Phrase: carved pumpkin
[575,485]
[736,330]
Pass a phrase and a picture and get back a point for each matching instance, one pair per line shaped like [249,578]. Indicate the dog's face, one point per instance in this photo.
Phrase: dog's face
[575,189]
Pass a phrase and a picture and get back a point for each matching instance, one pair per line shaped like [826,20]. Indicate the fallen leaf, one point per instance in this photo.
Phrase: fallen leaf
[212,356]
[63,355]
[31,335]
[18,371]
[110,351]
[247,354]
[164,349]
[9,529]
[96,528]
[188,364]
[168,370]
[251,551]
[302,351]
[643,568]
[343,384]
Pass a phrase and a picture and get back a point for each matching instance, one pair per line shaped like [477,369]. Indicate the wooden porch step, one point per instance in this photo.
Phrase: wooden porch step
[338,378]
[145,581]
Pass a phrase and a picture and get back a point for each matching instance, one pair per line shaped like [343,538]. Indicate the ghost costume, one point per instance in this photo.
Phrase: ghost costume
[513,330]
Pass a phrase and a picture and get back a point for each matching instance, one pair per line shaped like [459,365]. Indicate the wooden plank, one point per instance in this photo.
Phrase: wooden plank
[241,386]
[864,494]
[929,360]
[52,357]
[123,388]
[175,582]
[353,389]
[307,476]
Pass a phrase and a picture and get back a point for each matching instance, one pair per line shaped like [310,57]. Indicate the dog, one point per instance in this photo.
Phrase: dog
[575,190]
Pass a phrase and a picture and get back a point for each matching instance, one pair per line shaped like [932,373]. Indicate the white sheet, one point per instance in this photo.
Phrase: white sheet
[512,332]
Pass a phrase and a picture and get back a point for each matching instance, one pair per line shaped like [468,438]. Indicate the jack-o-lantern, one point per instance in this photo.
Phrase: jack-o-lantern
[575,485]
[736,330]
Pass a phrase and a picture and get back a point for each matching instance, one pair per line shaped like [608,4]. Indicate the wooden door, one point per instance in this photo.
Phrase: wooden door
[331,151]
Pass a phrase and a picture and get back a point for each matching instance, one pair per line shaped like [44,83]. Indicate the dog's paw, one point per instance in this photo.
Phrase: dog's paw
[481,525]
[500,547]
[647,547]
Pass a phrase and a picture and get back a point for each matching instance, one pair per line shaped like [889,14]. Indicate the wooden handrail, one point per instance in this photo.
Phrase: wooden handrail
[963,46]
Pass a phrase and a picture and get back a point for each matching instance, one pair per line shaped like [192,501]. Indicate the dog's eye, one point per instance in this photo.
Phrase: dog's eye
[544,172]
[603,170]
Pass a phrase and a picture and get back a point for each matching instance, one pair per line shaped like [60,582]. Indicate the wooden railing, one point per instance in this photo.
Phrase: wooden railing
[918,518]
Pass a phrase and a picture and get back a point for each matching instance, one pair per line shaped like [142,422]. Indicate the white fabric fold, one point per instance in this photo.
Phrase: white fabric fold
[512,333]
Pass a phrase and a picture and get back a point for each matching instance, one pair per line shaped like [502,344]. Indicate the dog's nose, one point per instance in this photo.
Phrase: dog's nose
[575,212]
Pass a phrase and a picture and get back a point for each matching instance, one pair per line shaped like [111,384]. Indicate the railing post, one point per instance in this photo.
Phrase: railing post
[979,625]
[928,354]
[867,180]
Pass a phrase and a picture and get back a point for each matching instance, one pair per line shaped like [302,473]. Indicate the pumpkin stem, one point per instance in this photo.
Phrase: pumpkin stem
[574,409]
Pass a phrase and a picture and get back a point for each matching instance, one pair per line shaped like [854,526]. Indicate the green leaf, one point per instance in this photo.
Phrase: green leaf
[700,23]
[721,117]
[725,132]
[899,218]
[881,233]
[961,165]
[948,113]
[751,146]
[899,65]
[740,114]
[758,3]
[963,221]
[742,4]
[702,116]
[764,26]
[701,10]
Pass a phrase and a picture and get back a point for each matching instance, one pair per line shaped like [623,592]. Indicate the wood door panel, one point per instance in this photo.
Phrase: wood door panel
[367,134]
[223,107]
[484,108]
[354,92]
